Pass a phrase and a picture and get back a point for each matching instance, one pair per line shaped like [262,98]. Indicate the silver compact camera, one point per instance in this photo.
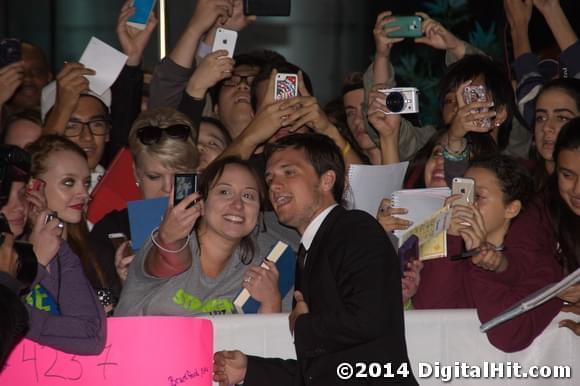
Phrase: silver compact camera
[401,100]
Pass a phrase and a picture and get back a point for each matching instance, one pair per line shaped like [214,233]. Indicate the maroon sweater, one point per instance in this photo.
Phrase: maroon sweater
[532,264]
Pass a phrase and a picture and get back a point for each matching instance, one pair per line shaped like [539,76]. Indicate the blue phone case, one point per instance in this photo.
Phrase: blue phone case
[143,9]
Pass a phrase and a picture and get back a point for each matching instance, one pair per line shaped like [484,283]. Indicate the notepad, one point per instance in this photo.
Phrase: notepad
[420,203]
[285,259]
[144,216]
[369,184]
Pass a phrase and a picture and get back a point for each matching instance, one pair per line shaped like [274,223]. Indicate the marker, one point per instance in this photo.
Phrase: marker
[474,252]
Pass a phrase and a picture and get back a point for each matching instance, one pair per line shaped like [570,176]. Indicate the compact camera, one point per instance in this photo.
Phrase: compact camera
[401,100]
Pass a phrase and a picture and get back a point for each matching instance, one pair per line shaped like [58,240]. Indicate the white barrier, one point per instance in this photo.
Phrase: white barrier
[443,336]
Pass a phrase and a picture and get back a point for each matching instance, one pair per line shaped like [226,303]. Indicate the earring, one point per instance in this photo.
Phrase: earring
[137,183]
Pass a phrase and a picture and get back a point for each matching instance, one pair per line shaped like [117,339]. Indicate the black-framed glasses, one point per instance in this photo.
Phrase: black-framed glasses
[149,135]
[237,79]
[100,126]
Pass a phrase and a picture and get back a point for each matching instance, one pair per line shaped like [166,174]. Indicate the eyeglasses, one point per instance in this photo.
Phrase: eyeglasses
[149,135]
[237,79]
[96,127]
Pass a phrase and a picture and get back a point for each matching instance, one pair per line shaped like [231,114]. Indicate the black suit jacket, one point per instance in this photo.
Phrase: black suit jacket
[352,285]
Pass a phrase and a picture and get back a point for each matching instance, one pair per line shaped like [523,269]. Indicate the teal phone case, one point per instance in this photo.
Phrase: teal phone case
[410,27]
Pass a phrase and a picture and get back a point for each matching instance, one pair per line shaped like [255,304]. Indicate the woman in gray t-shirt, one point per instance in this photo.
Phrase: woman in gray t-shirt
[179,272]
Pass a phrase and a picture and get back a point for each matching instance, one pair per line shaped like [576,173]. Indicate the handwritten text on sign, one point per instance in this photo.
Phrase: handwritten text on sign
[139,351]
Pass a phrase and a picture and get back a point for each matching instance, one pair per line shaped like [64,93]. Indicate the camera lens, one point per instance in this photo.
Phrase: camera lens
[395,102]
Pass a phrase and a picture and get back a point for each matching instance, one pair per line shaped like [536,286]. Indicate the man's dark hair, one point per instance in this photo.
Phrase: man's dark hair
[515,180]
[322,153]
[217,123]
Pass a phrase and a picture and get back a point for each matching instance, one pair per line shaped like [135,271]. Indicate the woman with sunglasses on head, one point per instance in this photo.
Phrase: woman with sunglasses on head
[64,312]
[207,248]
[162,143]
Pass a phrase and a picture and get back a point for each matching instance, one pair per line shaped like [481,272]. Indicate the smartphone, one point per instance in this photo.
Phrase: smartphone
[465,187]
[35,185]
[143,9]
[10,51]
[410,27]
[49,217]
[409,252]
[117,239]
[184,184]
[267,7]
[477,94]
[225,39]
[285,86]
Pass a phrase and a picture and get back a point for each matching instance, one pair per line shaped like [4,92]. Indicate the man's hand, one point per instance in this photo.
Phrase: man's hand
[11,78]
[133,40]
[307,111]
[229,367]
[212,69]
[299,309]
[71,82]
[238,21]
[208,12]
[383,42]
[437,36]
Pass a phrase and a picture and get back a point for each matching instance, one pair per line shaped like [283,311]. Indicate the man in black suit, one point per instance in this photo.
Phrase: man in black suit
[348,306]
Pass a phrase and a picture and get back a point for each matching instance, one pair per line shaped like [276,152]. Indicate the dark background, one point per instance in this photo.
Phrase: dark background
[328,38]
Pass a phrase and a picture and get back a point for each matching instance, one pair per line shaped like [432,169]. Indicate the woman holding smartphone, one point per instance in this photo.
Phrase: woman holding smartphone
[64,312]
[183,272]
[162,143]
[513,255]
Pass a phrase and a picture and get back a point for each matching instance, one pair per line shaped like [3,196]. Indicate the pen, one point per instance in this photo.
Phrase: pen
[474,252]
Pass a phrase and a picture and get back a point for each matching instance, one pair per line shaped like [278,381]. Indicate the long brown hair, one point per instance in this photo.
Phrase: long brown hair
[77,234]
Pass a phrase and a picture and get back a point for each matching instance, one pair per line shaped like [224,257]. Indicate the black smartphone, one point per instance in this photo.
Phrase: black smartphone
[409,252]
[267,7]
[184,184]
[10,51]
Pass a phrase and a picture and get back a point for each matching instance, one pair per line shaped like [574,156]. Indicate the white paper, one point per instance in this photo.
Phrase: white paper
[107,63]
[369,184]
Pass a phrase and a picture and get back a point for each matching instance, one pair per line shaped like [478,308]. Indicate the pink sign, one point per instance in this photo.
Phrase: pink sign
[143,351]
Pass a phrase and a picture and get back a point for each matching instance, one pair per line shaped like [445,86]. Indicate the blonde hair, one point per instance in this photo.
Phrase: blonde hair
[173,153]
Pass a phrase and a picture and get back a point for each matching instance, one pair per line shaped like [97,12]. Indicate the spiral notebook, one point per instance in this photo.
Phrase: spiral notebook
[420,203]
[369,184]
[534,300]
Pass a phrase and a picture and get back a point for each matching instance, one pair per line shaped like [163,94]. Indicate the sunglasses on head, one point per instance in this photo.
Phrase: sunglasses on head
[149,135]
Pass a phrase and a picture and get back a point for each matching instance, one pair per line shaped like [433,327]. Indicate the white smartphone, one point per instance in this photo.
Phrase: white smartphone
[225,39]
[465,187]
[285,86]
[143,9]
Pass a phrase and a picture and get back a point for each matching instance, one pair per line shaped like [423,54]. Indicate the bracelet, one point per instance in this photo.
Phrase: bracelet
[346,149]
[156,230]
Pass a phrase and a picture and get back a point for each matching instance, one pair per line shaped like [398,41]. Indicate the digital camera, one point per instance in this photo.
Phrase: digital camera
[401,100]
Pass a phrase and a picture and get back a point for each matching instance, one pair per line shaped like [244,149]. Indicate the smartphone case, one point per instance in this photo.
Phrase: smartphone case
[225,39]
[410,27]
[10,51]
[465,187]
[267,7]
[285,86]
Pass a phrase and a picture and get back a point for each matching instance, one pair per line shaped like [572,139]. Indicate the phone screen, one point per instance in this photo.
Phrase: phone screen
[184,185]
